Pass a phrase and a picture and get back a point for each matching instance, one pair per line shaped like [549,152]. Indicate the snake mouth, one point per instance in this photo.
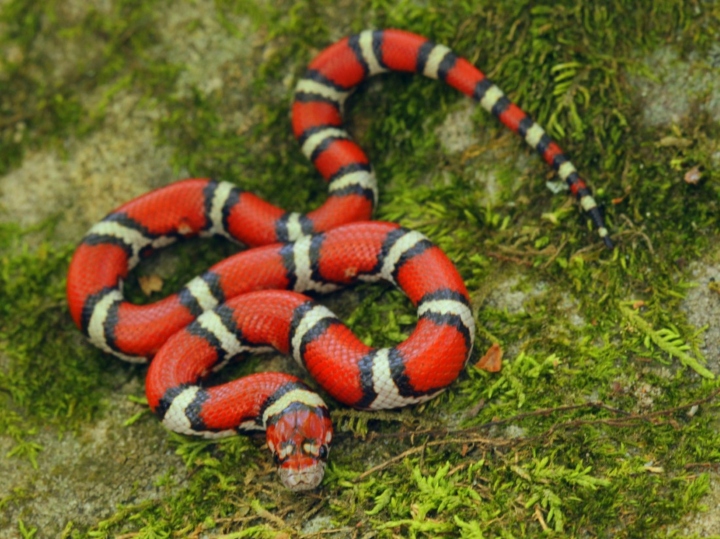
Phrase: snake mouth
[302,479]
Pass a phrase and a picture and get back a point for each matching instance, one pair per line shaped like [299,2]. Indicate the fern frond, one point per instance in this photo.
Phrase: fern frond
[667,339]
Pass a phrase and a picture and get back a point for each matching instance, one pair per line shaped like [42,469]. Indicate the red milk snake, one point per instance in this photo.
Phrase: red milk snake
[253,302]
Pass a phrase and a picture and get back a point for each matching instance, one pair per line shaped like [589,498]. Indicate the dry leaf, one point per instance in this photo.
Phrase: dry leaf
[693,175]
[150,283]
[492,360]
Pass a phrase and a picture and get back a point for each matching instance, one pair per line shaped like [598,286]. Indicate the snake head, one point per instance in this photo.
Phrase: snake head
[299,439]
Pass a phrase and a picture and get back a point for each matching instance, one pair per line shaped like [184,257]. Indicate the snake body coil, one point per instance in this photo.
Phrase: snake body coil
[253,301]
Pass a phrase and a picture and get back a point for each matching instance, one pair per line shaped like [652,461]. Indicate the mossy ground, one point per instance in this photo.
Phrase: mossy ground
[603,421]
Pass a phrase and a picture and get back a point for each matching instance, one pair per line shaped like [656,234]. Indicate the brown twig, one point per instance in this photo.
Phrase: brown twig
[628,419]
[635,232]
[707,465]
[503,258]
[421,448]
[541,519]
[554,255]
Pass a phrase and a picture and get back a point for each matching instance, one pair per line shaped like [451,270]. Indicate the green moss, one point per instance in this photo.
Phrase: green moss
[607,446]
[42,103]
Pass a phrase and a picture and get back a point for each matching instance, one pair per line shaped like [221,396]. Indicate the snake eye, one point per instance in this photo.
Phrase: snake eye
[323,452]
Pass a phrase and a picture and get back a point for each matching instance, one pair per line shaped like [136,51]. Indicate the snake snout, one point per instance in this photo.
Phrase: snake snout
[301,479]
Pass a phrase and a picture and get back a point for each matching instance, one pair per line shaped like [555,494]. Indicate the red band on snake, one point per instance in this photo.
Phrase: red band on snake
[253,301]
